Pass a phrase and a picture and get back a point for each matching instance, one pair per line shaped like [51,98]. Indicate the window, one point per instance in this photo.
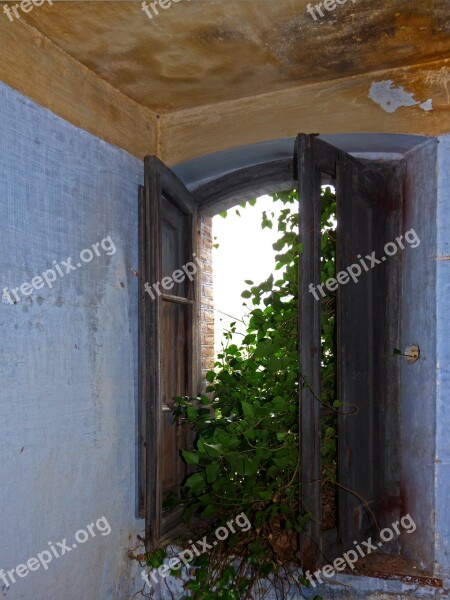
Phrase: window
[369,211]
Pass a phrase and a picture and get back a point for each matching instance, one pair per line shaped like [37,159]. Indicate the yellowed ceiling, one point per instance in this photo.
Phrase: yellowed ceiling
[200,52]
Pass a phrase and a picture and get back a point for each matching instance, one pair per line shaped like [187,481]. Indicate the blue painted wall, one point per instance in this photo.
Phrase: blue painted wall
[67,356]
[442,473]
[418,380]
[68,362]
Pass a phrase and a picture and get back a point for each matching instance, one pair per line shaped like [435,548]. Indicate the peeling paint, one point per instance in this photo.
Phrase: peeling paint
[440,78]
[391,98]
[428,105]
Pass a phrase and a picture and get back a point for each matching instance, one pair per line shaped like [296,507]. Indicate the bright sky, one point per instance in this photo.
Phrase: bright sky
[245,252]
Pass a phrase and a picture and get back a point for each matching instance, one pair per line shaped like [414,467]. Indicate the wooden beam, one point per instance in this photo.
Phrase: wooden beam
[36,67]
[338,106]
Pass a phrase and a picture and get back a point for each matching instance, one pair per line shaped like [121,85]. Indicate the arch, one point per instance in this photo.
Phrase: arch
[223,179]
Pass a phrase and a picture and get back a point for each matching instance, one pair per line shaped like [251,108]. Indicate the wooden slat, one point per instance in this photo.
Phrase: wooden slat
[174,381]
[176,299]
[309,352]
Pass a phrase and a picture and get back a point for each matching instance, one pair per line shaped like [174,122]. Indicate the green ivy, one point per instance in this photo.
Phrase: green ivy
[245,456]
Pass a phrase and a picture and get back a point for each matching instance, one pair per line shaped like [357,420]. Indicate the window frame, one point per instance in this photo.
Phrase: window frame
[223,192]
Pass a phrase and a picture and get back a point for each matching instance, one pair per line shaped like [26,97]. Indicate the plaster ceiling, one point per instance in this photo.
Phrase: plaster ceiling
[200,52]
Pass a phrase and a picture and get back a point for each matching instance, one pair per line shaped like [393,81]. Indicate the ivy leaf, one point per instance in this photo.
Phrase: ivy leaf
[256,547]
[192,458]
[192,413]
[210,376]
[251,467]
[213,450]
[212,472]
[195,481]
[247,409]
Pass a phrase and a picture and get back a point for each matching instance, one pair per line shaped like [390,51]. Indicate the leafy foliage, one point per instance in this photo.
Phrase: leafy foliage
[328,375]
[245,456]
[246,449]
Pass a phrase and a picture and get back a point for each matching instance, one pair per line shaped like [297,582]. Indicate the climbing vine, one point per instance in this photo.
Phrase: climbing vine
[245,455]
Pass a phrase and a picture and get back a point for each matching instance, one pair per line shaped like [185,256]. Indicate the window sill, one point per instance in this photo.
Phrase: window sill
[394,568]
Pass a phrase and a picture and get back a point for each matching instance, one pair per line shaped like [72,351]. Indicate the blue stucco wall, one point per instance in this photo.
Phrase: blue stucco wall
[67,356]
[442,472]
[418,380]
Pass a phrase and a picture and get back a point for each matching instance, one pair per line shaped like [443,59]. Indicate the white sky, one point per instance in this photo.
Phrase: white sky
[245,252]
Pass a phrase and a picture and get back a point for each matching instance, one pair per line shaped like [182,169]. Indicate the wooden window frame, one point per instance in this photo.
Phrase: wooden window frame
[312,157]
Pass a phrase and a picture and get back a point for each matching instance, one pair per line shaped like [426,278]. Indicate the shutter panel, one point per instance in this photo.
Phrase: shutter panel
[169,359]
[355,331]
[369,209]
[369,198]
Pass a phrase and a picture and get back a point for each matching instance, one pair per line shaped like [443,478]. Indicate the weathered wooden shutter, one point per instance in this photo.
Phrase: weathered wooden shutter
[369,211]
[309,182]
[168,323]
[368,214]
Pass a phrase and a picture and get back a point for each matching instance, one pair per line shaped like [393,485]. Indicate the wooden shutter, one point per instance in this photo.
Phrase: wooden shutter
[369,211]
[368,214]
[168,356]
[309,181]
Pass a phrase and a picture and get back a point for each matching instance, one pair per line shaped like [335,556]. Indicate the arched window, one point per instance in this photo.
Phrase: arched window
[369,215]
